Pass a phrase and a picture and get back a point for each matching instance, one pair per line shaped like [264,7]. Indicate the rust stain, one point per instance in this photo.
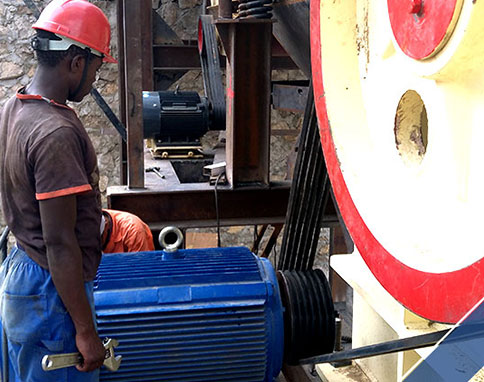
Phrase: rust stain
[362,38]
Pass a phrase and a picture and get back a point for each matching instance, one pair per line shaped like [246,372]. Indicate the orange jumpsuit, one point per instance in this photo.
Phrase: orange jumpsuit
[126,232]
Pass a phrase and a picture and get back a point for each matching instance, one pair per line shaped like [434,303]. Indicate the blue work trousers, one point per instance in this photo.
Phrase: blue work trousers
[36,321]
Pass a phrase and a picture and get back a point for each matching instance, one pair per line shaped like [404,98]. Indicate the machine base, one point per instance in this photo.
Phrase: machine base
[378,317]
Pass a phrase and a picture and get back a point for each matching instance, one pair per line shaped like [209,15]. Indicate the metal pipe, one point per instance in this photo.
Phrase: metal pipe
[225,9]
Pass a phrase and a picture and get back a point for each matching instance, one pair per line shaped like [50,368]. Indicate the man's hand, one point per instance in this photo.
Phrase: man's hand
[92,350]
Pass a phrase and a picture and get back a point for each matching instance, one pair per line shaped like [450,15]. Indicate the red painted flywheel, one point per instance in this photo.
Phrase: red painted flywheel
[402,139]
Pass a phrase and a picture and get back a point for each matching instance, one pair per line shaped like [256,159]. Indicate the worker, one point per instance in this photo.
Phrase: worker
[51,200]
[124,232]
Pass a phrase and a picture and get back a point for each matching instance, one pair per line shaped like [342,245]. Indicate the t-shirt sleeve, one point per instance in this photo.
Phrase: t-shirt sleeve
[58,165]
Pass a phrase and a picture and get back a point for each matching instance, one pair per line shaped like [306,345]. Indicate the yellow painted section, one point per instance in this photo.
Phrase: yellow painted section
[378,317]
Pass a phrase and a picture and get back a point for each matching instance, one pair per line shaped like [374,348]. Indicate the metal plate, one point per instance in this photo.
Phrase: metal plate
[422,27]
[292,30]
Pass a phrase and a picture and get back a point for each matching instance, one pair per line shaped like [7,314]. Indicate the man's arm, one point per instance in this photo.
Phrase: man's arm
[58,216]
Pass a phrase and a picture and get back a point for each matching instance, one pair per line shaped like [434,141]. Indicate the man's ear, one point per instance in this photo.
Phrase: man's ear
[77,63]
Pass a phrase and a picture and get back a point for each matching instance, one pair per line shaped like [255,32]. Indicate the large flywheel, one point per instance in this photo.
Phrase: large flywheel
[399,91]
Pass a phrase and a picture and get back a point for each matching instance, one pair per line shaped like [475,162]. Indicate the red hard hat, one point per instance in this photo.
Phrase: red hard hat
[80,21]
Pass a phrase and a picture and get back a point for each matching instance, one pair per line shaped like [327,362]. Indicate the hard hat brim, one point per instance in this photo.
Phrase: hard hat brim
[109,59]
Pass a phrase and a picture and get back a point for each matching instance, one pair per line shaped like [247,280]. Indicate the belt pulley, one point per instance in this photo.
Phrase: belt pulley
[309,319]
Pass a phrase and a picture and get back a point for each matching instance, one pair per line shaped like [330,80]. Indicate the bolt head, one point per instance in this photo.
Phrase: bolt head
[415,6]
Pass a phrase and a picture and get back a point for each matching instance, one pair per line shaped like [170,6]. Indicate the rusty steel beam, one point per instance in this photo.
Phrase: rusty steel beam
[283,63]
[292,31]
[176,57]
[186,57]
[138,76]
[277,49]
[248,47]
[191,207]
[272,240]
[259,236]
[123,170]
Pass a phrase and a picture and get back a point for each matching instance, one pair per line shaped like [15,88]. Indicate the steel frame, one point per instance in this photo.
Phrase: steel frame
[182,57]
[192,204]
[250,199]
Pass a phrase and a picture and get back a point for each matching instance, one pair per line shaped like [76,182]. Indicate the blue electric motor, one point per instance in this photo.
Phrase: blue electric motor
[192,315]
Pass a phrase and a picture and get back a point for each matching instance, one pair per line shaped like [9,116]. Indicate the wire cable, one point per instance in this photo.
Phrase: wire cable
[255,240]
[216,207]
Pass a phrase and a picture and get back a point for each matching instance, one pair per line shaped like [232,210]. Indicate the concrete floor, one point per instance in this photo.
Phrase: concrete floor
[350,373]
[311,376]
[328,373]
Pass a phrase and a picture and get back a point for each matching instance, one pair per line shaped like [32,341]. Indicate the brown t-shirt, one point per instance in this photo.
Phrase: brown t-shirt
[45,152]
